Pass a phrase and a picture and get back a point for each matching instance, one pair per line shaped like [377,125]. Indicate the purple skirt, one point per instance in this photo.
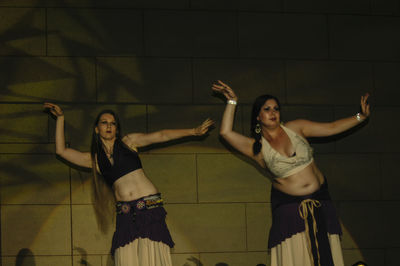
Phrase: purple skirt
[141,218]
[286,220]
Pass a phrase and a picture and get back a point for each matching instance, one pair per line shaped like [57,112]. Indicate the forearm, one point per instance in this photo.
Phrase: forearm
[315,129]
[171,134]
[347,123]
[60,138]
[227,119]
[241,143]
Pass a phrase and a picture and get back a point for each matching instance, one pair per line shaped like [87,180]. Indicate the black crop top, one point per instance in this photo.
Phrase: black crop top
[125,161]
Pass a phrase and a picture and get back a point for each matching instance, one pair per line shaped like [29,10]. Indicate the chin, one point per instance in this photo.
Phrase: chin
[108,137]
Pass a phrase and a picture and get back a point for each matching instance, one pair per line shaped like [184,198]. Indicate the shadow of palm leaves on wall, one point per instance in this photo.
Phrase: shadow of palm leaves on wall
[16,78]
[79,91]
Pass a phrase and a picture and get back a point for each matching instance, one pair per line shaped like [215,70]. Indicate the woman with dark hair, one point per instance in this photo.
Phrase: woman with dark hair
[141,237]
[305,230]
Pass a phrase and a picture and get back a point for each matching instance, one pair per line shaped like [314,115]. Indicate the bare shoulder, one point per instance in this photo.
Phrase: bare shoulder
[297,125]
[131,140]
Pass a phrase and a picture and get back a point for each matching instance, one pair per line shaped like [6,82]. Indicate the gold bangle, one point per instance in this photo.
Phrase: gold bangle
[232,102]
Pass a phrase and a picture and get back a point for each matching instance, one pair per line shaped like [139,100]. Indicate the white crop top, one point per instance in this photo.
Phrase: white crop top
[282,166]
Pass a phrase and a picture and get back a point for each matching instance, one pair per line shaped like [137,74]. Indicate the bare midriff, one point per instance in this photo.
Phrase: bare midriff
[132,186]
[305,182]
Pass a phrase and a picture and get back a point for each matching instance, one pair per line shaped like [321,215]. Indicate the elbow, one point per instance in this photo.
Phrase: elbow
[223,133]
[60,152]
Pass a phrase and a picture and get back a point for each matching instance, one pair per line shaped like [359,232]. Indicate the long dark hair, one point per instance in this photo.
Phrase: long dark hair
[258,103]
[103,196]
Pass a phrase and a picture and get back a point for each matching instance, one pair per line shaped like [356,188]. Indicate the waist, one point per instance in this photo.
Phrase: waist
[304,182]
[132,186]
[279,198]
[141,204]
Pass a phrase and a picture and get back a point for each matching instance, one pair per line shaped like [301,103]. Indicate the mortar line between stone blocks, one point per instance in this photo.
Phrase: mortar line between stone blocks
[95,79]
[192,74]
[334,117]
[370,7]
[197,178]
[258,58]
[241,118]
[237,33]
[245,225]
[147,118]
[70,213]
[381,177]
[285,81]
[255,11]
[328,32]
[1,248]
[143,33]
[46,32]
[373,70]
[48,129]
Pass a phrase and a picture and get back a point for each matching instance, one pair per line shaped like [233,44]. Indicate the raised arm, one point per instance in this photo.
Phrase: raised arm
[76,157]
[315,129]
[145,139]
[238,141]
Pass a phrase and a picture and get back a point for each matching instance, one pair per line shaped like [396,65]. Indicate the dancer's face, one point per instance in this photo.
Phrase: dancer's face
[107,127]
[269,115]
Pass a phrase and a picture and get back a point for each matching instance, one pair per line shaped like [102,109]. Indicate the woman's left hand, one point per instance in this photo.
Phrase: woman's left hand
[204,127]
[365,110]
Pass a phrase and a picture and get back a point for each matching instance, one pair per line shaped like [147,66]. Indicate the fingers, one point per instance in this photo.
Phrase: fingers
[207,123]
[47,105]
[220,86]
[365,107]
[50,105]
[223,88]
[223,84]
[53,108]
[204,127]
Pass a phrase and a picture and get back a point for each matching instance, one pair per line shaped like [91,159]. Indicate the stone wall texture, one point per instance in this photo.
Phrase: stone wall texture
[154,62]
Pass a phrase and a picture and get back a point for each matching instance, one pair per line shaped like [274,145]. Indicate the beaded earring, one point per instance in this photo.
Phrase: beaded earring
[257,129]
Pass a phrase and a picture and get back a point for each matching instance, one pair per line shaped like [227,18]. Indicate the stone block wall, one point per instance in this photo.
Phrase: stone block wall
[154,62]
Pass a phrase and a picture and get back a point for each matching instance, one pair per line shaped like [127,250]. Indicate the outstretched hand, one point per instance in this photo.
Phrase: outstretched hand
[54,109]
[225,90]
[204,127]
[365,108]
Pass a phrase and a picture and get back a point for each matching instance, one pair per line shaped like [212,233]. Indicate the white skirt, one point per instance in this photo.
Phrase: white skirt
[294,251]
[143,252]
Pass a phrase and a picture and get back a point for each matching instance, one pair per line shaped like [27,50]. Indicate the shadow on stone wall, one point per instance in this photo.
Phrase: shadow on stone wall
[25,257]
[15,72]
[83,256]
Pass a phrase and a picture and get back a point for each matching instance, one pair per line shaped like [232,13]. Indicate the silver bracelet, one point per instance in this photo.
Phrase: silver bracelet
[232,102]
[359,118]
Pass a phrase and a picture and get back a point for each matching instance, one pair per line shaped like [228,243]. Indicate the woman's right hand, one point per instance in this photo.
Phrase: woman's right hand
[225,90]
[54,109]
